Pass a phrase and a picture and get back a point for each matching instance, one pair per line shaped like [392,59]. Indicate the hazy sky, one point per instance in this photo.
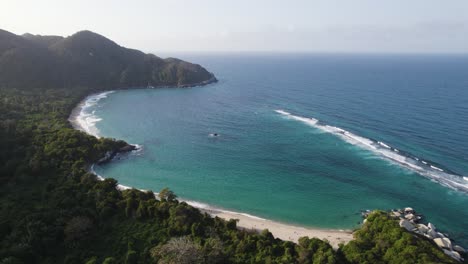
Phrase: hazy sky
[249,25]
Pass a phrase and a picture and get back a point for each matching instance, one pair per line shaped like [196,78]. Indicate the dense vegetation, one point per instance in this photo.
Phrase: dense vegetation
[87,59]
[52,210]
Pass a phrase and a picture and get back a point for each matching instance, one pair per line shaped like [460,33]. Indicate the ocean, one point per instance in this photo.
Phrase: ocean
[305,139]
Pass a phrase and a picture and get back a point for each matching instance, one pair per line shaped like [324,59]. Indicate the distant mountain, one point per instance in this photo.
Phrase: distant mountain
[88,59]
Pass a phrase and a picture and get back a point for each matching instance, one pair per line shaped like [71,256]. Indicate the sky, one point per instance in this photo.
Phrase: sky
[374,26]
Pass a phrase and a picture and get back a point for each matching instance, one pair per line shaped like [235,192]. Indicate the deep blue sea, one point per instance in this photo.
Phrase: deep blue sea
[302,138]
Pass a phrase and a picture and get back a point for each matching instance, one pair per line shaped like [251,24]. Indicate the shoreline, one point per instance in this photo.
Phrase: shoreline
[284,231]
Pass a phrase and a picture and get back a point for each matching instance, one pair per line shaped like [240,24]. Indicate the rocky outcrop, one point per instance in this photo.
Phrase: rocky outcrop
[111,154]
[407,225]
[409,220]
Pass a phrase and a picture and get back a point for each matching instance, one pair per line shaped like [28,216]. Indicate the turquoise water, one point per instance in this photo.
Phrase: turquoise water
[287,166]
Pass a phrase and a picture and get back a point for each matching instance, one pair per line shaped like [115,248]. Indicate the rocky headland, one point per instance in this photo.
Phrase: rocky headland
[413,222]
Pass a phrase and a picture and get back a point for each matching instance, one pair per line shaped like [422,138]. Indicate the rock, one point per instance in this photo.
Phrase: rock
[459,249]
[432,234]
[431,226]
[452,254]
[439,242]
[447,242]
[409,216]
[440,235]
[406,225]
[396,214]
[107,157]
[365,221]
[443,243]
[409,210]
[127,148]
[423,229]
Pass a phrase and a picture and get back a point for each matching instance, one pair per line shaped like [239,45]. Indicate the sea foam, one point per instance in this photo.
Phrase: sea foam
[86,119]
[386,151]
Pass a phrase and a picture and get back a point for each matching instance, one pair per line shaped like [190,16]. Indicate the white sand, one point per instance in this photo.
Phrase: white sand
[284,231]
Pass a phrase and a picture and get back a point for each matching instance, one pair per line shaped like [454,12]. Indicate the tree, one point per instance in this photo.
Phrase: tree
[167,195]
[179,250]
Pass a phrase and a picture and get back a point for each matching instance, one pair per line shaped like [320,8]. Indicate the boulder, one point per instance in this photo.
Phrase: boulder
[440,235]
[459,249]
[431,226]
[431,233]
[439,242]
[447,242]
[396,214]
[452,254]
[443,243]
[409,210]
[423,228]
[410,216]
[406,225]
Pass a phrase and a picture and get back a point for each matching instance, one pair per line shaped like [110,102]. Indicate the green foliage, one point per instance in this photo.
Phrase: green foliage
[381,240]
[87,59]
[53,210]
[315,251]
[167,195]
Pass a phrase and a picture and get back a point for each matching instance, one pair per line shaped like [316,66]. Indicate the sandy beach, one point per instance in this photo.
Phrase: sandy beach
[283,231]
[245,221]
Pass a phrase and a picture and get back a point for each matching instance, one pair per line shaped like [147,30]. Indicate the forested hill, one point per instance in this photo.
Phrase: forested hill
[52,210]
[90,60]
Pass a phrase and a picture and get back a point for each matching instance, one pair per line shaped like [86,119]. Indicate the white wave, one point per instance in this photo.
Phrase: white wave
[392,154]
[383,144]
[120,187]
[198,204]
[465,178]
[86,120]
[436,168]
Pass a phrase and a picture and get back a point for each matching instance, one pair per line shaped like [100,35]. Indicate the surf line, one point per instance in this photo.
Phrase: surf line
[413,163]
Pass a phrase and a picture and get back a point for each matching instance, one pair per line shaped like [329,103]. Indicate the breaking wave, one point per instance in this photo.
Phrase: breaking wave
[84,118]
[406,160]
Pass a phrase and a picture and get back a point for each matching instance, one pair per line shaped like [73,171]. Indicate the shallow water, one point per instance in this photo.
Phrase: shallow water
[304,139]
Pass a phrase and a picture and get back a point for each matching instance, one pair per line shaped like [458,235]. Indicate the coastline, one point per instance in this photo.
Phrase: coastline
[286,232]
